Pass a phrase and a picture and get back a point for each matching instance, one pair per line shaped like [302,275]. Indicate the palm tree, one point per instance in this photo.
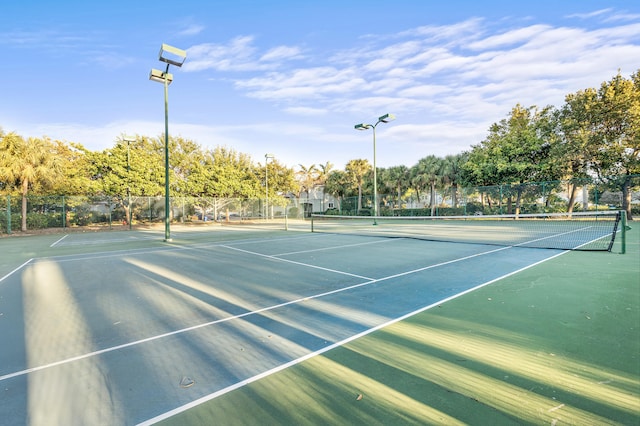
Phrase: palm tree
[27,164]
[397,179]
[452,174]
[307,176]
[337,184]
[357,170]
[322,176]
[428,172]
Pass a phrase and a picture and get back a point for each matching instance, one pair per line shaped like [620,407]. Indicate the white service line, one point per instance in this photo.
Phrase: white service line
[296,263]
[55,243]
[336,247]
[16,270]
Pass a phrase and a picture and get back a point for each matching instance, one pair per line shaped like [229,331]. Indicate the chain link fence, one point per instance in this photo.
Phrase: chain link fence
[528,198]
[105,212]
[43,212]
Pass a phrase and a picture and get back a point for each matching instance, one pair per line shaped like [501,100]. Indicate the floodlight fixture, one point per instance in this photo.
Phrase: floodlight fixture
[387,118]
[172,55]
[363,126]
[160,76]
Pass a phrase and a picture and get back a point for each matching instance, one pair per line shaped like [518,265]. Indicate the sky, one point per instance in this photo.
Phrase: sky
[292,78]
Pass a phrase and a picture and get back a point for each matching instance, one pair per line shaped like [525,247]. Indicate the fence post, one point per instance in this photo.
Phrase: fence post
[8,214]
[64,214]
[623,235]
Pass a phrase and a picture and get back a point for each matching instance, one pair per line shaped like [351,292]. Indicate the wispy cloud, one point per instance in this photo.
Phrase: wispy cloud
[608,15]
[239,54]
[593,14]
[281,53]
[191,30]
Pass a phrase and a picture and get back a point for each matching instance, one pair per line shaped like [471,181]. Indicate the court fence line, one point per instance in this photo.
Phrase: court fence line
[109,212]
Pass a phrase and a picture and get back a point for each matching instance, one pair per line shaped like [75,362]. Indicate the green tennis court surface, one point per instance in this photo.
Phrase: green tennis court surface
[243,326]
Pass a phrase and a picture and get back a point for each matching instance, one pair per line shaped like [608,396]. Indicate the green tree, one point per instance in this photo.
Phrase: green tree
[517,150]
[307,177]
[233,175]
[27,165]
[396,179]
[575,150]
[323,174]
[617,158]
[428,173]
[282,179]
[338,185]
[357,171]
[452,174]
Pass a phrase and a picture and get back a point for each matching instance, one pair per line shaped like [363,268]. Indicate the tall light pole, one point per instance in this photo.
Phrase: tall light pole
[171,56]
[128,140]
[266,182]
[362,126]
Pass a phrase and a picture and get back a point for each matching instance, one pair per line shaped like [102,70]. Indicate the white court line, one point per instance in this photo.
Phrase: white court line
[296,263]
[55,243]
[335,247]
[16,270]
[296,361]
[265,309]
[559,235]
[269,240]
[166,247]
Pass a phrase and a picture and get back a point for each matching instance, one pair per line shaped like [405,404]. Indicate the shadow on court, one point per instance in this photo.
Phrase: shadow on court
[555,344]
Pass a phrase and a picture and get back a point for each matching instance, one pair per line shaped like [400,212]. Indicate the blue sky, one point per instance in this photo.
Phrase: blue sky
[292,78]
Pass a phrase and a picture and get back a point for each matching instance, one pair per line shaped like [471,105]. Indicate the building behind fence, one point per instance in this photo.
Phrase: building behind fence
[113,211]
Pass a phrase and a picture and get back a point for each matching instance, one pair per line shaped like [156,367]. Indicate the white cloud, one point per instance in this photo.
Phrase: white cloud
[509,38]
[282,52]
[623,17]
[306,111]
[191,30]
[588,15]
[237,55]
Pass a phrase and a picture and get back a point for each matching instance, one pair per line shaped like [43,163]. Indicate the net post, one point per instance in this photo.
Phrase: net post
[623,235]
[312,223]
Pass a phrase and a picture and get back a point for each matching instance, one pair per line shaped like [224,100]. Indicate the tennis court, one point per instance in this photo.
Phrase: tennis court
[124,328]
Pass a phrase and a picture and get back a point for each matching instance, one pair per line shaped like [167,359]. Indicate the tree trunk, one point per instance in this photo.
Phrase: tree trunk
[572,197]
[454,196]
[518,201]
[432,203]
[626,197]
[25,189]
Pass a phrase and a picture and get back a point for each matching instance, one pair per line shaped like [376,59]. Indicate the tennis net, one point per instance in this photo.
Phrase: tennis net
[591,231]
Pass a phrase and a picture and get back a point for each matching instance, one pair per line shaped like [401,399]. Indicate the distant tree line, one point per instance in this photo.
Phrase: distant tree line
[594,135]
